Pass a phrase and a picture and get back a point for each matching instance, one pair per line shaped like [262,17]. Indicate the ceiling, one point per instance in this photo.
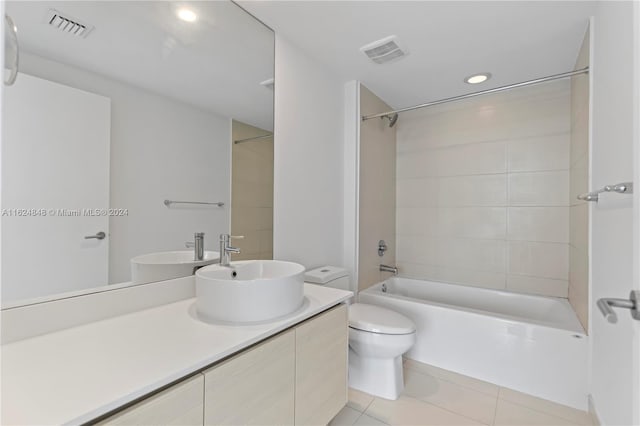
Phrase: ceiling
[448,40]
[216,63]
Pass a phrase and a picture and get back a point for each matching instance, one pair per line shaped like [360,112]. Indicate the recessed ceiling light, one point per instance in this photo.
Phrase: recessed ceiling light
[187,15]
[478,78]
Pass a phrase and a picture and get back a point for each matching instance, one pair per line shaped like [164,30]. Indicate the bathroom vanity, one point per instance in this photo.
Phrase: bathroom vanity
[165,365]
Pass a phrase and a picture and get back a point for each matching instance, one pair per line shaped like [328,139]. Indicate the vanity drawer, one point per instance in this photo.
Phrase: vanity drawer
[322,346]
[180,405]
[253,387]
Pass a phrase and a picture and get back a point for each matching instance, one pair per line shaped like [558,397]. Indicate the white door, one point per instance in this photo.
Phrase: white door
[615,225]
[55,164]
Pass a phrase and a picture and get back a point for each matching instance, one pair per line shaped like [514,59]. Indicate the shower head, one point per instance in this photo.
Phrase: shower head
[392,119]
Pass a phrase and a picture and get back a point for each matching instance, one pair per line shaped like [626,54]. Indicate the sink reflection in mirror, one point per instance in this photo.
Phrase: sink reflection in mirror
[141,109]
[249,291]
[167,265]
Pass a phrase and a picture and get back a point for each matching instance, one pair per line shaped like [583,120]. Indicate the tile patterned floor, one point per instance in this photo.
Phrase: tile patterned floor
[437,397]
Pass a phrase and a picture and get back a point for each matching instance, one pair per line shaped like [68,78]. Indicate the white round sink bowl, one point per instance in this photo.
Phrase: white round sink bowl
[249,291]
[168,265]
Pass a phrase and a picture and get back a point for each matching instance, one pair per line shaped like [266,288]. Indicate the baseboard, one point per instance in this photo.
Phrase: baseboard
[595,420]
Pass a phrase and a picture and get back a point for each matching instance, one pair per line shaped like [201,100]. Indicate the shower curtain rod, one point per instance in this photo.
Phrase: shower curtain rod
[483,92]
[253,138]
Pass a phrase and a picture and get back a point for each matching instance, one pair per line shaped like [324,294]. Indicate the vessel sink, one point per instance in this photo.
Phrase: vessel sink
[167,265]
[249,291]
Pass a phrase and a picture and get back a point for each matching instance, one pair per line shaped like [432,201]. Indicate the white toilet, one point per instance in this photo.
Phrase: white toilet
[377,339]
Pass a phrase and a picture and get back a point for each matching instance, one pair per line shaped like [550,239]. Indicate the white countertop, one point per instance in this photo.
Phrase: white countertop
[75,375]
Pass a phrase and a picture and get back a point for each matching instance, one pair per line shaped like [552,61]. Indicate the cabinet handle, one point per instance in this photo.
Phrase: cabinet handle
[99,236]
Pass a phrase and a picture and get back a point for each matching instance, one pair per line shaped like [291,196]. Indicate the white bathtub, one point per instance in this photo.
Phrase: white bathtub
[529,343]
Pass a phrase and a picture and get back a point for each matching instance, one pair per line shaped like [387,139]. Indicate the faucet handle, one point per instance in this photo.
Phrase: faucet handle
[227,237]
[189,244]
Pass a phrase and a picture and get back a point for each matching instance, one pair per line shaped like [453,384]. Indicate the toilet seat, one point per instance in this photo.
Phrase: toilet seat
[375,319]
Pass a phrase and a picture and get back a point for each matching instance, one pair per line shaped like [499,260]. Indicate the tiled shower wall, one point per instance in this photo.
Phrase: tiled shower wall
[483,191]
[377,191]
[579,178]
[252,193]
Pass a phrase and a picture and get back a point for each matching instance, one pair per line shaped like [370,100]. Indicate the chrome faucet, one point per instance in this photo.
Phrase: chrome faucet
[385,268]
[198,245]
[226,249]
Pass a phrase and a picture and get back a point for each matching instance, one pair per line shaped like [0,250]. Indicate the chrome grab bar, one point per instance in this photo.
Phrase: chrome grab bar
[606,306]
[387,268]
[8,22]
[169,203]
[620,188]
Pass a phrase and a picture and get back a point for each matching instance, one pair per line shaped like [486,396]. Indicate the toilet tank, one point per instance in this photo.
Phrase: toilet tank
[330,276]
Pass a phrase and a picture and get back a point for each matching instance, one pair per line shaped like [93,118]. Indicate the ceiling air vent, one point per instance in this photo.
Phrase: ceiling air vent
[385,50]
[67,24]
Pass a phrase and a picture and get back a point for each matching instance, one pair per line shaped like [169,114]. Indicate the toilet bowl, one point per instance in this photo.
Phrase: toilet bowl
[377,339]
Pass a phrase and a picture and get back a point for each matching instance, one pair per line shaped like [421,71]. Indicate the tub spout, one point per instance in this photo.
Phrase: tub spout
[393,269]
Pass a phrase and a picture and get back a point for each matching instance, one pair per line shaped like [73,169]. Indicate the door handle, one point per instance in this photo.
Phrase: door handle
[99,236]
[606,306]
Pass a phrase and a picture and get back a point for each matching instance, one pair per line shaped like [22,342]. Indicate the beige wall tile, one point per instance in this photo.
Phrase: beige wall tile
[472,222]
[252,193]
[579,226]
[540,153]
[420,192]
[578,180]
[417,249]
[377,192]
[482,185]
[481,190]
[419,271]
[579,284]
[579,183]
[470,159]
[545,260]
[539,189]
[544,224]
[479,255]
[537,285]
[468,277]
[472,277]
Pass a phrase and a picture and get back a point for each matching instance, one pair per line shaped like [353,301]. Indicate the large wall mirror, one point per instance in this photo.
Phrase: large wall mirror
[132,125]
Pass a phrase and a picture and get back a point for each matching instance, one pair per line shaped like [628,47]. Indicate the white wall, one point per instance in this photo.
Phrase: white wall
[160,148]
[308,160]
[615,359]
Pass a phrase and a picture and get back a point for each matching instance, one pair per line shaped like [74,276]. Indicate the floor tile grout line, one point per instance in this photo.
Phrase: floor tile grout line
[542,411]
[468,387]
[357,418]
[446,409]
[495,409]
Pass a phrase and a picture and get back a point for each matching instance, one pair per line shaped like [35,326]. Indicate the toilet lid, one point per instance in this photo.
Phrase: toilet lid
[375,319]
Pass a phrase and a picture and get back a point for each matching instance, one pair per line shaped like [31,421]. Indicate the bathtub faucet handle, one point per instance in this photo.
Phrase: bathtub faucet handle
[386,268]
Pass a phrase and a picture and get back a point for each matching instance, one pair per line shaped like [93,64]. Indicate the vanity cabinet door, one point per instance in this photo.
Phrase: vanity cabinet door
[180,405]
[322,345]
[255,387]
